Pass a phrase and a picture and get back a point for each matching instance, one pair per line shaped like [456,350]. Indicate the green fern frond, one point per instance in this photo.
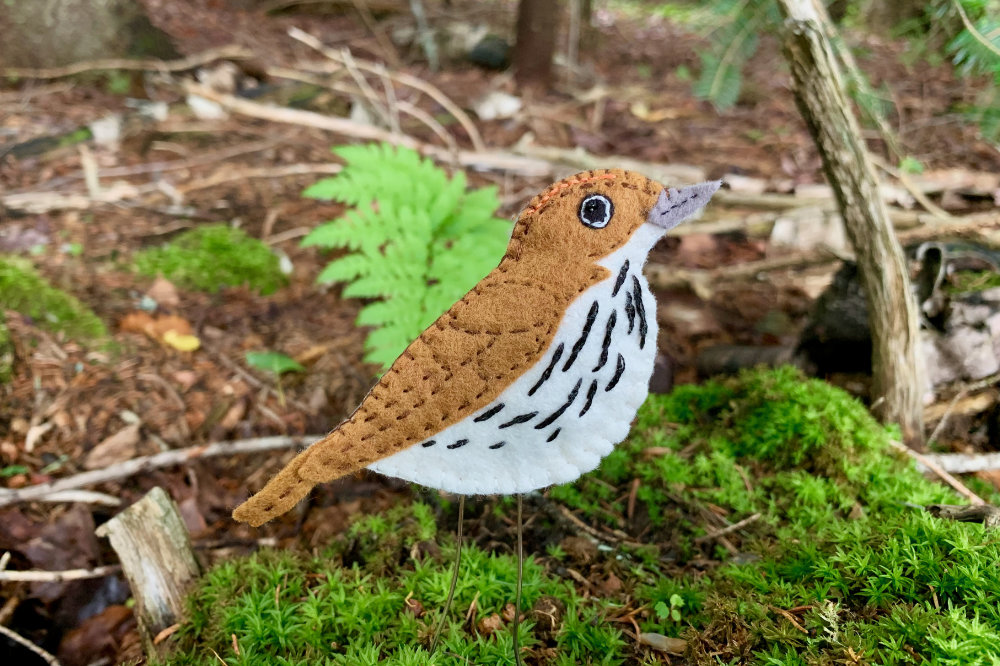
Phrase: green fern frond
[417,241]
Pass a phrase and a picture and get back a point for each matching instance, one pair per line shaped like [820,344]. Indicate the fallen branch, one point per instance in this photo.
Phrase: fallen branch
[498,161]
[229,52]
[47,657]
[261,172]
[932,466]
[35,576]
[988,515]
[129,468]
[965,463]
[399,77]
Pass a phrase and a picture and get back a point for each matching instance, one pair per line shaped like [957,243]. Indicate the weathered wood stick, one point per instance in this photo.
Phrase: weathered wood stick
[155,551]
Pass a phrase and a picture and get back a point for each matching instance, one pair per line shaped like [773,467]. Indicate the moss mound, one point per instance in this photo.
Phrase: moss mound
[374,598]
[211,257]
[23,290]
[836,564]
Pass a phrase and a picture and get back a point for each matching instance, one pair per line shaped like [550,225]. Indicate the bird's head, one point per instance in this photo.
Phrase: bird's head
[589,216]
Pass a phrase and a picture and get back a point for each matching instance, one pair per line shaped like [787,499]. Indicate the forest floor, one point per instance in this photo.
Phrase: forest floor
[66,398]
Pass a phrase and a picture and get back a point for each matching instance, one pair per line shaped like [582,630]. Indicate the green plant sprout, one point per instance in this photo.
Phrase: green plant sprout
[275,363]
[417,241]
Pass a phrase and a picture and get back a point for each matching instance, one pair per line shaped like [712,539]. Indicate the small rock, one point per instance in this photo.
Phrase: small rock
[496,105]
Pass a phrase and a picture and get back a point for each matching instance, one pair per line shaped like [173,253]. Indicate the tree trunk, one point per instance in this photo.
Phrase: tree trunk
[59,32]
[819,92]
[537,28]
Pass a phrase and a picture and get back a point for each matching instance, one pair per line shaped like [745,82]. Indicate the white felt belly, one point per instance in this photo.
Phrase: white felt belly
[583,405]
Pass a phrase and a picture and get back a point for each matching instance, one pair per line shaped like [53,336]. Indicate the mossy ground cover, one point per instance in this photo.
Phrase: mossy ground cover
[211,257]
[840,567]
[24,291]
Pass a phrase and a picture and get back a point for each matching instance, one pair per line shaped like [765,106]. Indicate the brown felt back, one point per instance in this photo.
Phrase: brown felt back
[497,332]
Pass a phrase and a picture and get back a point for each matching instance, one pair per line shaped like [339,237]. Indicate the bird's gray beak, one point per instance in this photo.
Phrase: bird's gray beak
[674,206]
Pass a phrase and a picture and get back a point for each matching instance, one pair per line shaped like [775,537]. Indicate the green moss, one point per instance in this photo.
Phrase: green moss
[24,290]
[6,352]
[350,605]
[837,537]
[211,257]
[837,547]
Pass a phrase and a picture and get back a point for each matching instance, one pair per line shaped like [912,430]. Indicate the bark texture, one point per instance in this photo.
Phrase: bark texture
[537,28]
[52,33]
[819,92]
[153,545]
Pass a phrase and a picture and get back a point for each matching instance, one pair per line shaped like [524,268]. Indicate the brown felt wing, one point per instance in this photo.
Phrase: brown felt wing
[457,366]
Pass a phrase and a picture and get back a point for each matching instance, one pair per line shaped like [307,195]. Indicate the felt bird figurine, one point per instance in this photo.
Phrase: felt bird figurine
[535,374]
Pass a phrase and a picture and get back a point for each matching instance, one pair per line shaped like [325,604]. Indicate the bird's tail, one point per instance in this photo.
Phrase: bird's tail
[279,495]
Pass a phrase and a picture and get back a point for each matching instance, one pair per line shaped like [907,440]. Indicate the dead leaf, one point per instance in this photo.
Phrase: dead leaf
[489,624]
[664,643]
[171,330]
[35,433]
[164,293]
[116,448]
[181,342]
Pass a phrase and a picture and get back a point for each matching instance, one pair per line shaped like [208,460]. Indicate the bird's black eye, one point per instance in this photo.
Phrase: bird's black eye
[596,211]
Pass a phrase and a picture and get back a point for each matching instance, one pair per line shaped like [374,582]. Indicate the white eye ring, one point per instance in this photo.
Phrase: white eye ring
[596,211]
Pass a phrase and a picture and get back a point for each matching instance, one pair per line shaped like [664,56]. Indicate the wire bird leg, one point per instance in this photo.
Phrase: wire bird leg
[454,575]
[520,577]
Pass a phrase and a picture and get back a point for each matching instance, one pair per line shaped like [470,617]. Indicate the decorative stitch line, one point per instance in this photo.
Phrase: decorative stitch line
[558,187]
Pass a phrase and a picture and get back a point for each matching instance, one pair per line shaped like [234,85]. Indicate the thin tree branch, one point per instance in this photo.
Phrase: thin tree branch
[229,52]
[35,576]
[135,466]
[21,640]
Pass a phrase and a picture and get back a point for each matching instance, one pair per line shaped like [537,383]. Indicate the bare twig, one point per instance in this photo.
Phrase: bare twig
[35,576]
[729,529]
[965,463]
[401,77]
[485,160]
[47,657]
[82,497]
[261,172]
[385,45]
[941,473]
[145,463]
[229,52]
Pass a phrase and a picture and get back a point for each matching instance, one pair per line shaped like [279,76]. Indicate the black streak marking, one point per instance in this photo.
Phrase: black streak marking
[556,414]
[590,397]
[630,311]
[548,371]
[555,433]
[607,340]
[640,310]
[488,414]
[618,373]
[578,345]
[519,419]
[461,442]
[429,442]
[497,445]
[621,278]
